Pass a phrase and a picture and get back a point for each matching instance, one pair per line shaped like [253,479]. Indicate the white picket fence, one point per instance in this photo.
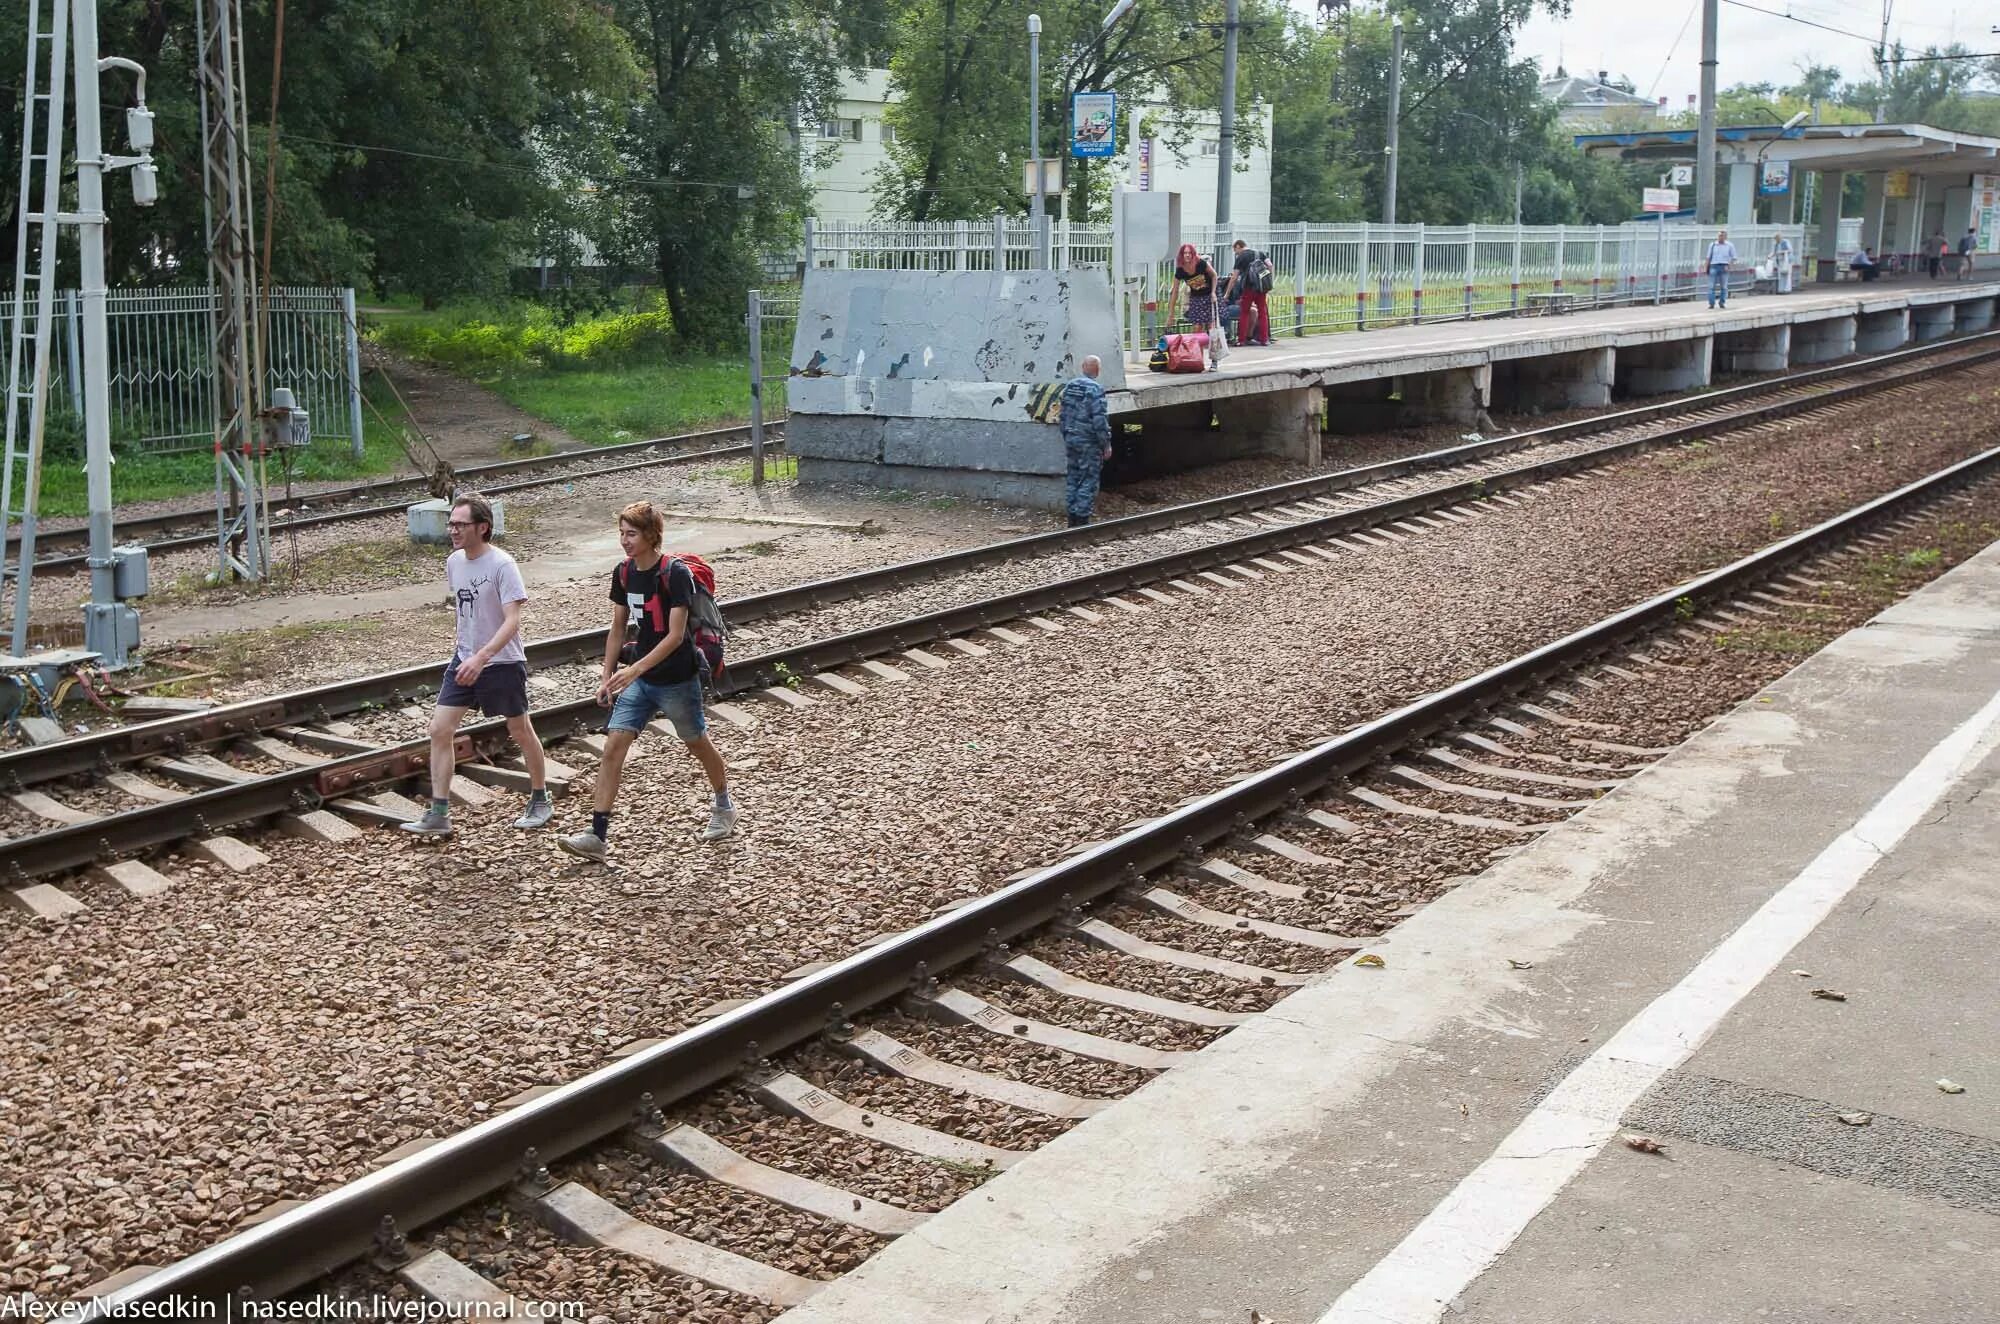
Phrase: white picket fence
[1348,277]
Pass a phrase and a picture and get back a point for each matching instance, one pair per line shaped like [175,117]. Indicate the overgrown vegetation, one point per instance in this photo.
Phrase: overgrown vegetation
[604,376]
[143,476]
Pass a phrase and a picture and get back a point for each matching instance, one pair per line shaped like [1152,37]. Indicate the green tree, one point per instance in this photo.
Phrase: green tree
[713,159]
[419,146]
[961,68]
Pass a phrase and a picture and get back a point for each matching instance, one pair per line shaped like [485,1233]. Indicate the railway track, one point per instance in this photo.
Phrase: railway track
[1223,904]
[390,496]
[295,761]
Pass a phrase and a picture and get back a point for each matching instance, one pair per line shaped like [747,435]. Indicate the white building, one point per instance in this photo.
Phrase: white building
[859,135]
[1154,165]
[844,180]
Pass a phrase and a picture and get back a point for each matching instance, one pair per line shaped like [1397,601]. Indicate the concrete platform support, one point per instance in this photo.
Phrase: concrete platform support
[1285,424]
[1666,366]
[1878,333]
[1822,341]
[1764,349]
[1931,321]
[1974,315]
[1449,395]
[1581,380]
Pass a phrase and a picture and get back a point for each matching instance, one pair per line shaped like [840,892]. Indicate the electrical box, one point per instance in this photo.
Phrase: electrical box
[139,129]
[145,184]
[1150,225]
[286,423]
[129,572]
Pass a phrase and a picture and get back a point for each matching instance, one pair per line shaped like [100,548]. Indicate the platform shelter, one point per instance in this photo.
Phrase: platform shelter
[1919,182]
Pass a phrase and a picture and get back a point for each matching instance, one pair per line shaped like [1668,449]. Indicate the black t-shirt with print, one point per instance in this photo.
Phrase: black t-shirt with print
[650,614]
[1200,281]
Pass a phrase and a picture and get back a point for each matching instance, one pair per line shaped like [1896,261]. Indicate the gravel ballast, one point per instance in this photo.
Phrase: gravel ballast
[240,1039]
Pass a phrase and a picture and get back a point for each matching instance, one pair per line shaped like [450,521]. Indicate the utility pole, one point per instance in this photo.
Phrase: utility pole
[1882,65]
[1704,149]
[1225,156]
[1395,117]
[240,520]
[1035,137]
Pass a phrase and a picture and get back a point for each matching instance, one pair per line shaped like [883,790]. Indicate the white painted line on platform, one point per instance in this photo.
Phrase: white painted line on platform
[1474,1226]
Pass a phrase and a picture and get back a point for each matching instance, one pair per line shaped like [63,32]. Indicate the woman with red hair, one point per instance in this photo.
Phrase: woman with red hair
[1192,270]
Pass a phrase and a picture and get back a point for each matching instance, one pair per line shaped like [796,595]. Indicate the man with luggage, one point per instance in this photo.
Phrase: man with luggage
[1254,325]
[662,677]
[1086,429]
[488,668]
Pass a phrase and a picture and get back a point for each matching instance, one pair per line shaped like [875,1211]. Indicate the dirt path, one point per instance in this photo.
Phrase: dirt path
[464,422]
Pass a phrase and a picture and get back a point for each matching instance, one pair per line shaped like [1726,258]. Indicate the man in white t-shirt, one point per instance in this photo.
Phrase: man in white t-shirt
[1721,256]
[488,668]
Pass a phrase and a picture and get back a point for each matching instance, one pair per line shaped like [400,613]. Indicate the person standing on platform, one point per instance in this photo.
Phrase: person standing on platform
[1965,247]
[488,668]
[1086,429]
[1721,256]
[1192,270]
[1934,253]
[1781,266]
[1253,326]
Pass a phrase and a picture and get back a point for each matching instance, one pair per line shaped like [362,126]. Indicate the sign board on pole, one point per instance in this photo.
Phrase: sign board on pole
[1776,178]
[1051,176]
[1986,212]
[1663,199]
[1145,164]
[1681,176]
[1093,119]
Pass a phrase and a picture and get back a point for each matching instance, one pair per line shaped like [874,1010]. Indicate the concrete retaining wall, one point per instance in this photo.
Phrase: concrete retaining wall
[1822,340]
[1578,380]
[1666,367]
[1880,332]
[1974,315]
[1765,349]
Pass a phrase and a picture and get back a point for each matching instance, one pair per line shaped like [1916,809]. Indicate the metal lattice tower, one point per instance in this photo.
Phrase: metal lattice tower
[241,520]
[34,261]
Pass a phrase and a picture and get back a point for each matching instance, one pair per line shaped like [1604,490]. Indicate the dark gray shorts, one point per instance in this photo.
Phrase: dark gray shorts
[500,691]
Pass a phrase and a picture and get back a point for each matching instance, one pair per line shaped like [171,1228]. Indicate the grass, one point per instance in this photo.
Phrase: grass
[614,376]
[378,561]
[775,466]
[140,476]
[243,654]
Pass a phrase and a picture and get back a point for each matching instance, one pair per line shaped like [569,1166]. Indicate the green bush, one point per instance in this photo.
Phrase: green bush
[474,339]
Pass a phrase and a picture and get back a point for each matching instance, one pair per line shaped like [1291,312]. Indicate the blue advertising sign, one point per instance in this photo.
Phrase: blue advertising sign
[1093,118]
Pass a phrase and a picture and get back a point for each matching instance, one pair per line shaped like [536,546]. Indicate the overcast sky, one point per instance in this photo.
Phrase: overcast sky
[1657,43]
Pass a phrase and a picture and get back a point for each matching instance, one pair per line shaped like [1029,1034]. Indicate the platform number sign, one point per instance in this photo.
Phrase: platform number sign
[1093,124]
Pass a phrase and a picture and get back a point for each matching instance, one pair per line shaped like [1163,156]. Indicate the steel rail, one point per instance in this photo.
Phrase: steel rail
[22,859]
[104,749]
[301,522]
[345,1224]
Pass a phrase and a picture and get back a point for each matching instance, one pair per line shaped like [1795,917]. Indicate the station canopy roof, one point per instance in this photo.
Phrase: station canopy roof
[1917,148]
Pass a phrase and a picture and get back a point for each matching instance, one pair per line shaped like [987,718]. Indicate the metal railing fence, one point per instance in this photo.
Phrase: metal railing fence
[162,376]
[1351,276]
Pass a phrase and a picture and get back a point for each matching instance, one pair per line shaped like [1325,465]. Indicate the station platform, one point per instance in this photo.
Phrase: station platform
[1440,1139]
[1281,400]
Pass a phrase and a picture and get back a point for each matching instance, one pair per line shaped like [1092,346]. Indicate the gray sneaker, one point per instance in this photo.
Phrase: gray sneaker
[432,824]
[587,844]
[721,822]
[537,814]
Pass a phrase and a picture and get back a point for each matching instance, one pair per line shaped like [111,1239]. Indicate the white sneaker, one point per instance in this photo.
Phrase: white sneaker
[721,822]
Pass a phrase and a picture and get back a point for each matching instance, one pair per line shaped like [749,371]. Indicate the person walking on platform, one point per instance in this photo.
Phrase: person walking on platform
[1966,244]
[1086,429]
[1721,256]
[1253,325]
[1934,252]
[662,677]
[488,668]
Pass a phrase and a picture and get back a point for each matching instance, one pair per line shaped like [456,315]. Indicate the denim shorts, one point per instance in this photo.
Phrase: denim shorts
[680,704]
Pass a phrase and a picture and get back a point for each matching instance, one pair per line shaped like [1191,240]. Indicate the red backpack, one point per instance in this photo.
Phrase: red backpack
[706,628]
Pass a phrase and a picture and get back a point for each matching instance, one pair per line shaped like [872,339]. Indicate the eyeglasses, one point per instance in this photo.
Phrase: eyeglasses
[460,523]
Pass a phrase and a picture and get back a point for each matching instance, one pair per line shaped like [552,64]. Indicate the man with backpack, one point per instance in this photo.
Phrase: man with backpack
[1967,244]
[1250,280]
[1086,430]
[678,637]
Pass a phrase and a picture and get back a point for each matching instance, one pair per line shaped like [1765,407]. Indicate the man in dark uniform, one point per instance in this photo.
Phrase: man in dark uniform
[1086,429]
